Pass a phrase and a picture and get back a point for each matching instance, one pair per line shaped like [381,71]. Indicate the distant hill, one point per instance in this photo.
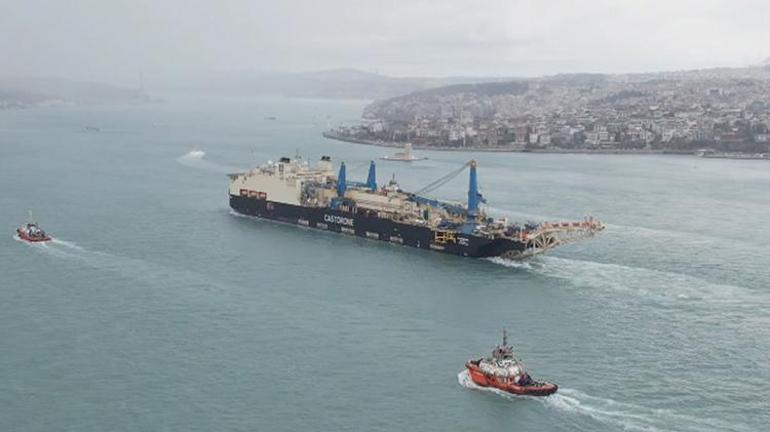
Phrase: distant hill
[528,96]
[342,83]
[435,101]
[24,91]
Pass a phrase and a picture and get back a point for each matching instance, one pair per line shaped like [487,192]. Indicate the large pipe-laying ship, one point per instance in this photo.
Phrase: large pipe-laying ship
[292,191]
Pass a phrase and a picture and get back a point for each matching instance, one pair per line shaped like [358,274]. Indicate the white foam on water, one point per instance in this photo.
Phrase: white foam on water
[196,159]
[52,245]
[58,247]
[40,245]
[46,247]
[607,411]
[66,244]
[631,417]
[649,283]
[684,237]
[510,263]
[124,266]
[643,281]
[614,414]
[240,215]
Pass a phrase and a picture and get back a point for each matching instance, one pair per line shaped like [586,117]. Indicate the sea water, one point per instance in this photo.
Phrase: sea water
[157,309]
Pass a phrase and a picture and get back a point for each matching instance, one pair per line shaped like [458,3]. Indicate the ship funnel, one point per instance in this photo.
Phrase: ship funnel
[325,164]
[342,184]
[473,192]
[371,180]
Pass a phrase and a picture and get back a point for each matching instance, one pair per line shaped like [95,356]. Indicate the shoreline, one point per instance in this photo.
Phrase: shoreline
[354,140]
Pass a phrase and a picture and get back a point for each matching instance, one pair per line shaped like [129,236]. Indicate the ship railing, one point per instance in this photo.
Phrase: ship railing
[552,233]
[547,235]
[589,226]
[565,232]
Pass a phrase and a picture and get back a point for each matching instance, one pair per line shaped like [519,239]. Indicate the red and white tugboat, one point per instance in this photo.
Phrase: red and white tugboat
[31,232]
[503,371]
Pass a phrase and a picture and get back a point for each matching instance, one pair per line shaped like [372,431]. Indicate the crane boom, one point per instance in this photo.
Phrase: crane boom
[443,180]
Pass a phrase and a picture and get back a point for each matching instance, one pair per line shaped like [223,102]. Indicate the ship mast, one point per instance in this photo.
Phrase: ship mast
[342,185]
[371,179]
[473,192]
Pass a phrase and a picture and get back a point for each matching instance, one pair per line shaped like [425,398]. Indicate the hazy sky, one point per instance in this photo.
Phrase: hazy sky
[111,40]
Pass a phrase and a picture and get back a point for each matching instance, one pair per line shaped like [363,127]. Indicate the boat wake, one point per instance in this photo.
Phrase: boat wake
[653,284]
[66,244]
[60,248]
[50,247]
[615,414]
[632,417]
[510,263]
[647,282]
[196,159]
[132,268]
[607,411]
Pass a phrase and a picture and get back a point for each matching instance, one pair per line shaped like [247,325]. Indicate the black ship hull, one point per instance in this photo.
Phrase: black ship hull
[370,226]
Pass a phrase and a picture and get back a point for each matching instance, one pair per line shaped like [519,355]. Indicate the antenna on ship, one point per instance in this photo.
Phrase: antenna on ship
[505,338]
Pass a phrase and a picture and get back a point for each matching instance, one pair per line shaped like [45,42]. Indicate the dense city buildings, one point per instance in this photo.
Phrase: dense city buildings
[719,109]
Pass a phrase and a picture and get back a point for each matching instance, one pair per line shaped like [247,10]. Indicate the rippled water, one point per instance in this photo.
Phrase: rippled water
[157,309]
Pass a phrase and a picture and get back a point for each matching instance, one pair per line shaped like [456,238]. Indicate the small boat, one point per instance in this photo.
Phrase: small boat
[404,156]
[504,372]
[198,154]
[31,232]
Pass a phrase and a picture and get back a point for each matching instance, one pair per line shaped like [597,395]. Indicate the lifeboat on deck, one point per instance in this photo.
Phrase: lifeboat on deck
[504,372]
[31,232]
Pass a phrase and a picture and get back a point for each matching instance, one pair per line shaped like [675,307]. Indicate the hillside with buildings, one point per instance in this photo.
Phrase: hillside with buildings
[721,109]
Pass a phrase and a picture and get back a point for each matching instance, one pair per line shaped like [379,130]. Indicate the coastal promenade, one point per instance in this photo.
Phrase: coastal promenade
[505,149]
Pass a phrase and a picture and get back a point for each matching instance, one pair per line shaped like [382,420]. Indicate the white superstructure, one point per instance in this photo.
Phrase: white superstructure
[281,181]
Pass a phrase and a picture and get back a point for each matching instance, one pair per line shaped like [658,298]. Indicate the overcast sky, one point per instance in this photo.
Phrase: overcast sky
[112,40]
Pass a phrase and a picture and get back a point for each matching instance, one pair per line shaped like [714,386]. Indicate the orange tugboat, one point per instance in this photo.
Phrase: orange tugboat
[31,232]
[503,371]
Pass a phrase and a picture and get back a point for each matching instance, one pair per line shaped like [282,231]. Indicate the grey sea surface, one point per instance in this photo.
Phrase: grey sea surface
[157,309]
